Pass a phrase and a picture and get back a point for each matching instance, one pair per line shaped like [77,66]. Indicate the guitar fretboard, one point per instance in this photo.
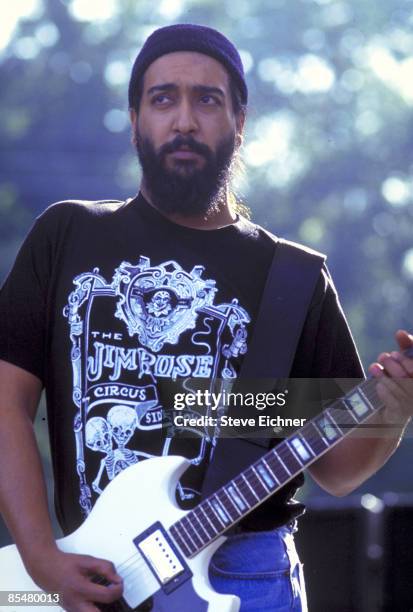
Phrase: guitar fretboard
[253,486]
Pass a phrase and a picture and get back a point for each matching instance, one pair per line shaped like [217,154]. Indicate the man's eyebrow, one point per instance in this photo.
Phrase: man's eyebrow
[209,89]
[162,87]
[203,89]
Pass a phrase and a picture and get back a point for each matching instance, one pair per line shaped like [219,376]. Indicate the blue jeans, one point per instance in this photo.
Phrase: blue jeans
[263,569]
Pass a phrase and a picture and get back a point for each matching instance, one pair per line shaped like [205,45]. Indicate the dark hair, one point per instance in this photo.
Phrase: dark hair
[237,104]
[236,97]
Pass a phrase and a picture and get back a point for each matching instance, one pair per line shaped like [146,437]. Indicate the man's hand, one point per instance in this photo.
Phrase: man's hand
[71,576]
[395,385]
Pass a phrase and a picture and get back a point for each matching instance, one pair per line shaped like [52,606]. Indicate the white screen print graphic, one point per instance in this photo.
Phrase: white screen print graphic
[148,327]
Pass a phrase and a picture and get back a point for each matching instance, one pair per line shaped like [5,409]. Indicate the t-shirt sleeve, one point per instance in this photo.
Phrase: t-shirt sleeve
[23,299]
[327,364]
[326,348]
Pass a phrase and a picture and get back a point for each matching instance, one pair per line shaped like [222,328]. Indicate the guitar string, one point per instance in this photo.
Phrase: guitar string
[283,450]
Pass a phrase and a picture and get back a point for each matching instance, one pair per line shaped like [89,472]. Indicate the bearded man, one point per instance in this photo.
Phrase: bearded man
[111,305]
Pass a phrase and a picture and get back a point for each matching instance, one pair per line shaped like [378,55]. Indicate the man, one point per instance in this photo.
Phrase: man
[111,304]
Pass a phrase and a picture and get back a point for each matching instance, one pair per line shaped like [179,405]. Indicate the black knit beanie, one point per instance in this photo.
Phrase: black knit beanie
[188,37]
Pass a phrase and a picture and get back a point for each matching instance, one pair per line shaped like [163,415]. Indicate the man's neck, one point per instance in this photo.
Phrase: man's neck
[220,216]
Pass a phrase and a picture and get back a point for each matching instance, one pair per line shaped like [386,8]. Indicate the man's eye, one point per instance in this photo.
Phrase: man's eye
[210,100]
[161,99]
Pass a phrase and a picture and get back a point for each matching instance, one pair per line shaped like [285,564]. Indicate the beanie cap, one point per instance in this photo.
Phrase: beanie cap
[188,37]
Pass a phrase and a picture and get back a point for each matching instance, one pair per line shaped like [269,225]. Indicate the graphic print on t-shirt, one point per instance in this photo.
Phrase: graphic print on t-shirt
[152,331]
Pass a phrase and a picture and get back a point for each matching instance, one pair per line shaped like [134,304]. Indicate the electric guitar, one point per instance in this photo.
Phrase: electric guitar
[163,552]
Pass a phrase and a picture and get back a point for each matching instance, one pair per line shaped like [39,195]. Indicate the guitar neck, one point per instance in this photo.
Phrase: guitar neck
[257,483]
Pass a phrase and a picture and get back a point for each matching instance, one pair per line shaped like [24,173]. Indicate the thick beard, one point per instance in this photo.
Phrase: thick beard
[186,190]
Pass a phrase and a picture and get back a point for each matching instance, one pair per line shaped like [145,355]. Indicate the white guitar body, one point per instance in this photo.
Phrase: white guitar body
[136,499]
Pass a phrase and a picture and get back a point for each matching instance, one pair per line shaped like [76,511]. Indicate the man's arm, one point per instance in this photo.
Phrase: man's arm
[23,502]
[357,457]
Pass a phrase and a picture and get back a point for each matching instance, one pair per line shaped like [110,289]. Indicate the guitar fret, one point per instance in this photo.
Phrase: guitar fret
[238,496]
[220,510]
[364,394]
[174,531]
[224,502]
[286,470]
[192,527]
[231,500]
[251,489]
[371,393]
[193,514]
[215,515]
[278,467]
[256,483]
[270,470]
[289,459]
[351,413]
[348,421]
[245,490]
[201,506]
[265,478]
[206,525]
[260,479]
[315,440]
[188,537]
[329,412]
[300,449]
[359,405]
[328,429]
[246,493]
[187,531]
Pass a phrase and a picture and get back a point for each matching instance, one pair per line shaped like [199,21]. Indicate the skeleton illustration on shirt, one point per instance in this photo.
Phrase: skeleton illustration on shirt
[120,426]
[99,438]
[123,422]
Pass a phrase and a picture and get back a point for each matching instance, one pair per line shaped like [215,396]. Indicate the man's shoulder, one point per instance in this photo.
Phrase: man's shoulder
[57,217]
[89,207]
[256,230]
[300,248]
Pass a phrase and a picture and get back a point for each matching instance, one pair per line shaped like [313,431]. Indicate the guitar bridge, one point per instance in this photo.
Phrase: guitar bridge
[163,557]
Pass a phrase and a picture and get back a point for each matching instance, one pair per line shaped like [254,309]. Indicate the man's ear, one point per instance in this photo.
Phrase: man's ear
[240,122]
[133,117]
[134,122]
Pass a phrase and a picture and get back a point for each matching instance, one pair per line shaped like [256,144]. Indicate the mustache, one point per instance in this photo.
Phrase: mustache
[185,141]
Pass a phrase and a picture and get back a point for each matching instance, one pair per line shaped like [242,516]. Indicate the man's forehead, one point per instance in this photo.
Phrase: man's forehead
[189,67]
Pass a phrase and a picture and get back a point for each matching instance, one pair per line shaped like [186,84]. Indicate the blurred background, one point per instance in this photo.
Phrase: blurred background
[328,147]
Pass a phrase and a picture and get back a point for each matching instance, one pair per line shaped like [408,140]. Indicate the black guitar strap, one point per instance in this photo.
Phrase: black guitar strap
[287,294]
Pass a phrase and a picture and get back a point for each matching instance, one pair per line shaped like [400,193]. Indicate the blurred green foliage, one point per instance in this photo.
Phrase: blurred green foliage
[329,140]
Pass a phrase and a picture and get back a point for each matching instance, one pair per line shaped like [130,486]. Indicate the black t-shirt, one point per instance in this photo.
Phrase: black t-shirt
[115,308]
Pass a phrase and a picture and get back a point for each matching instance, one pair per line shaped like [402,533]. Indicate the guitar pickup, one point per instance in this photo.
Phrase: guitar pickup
[163,557]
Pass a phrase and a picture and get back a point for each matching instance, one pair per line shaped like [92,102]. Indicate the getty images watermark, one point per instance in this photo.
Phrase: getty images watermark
[218,404]
[333,407]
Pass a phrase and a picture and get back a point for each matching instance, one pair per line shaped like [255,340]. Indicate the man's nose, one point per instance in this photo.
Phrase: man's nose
[185,119]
